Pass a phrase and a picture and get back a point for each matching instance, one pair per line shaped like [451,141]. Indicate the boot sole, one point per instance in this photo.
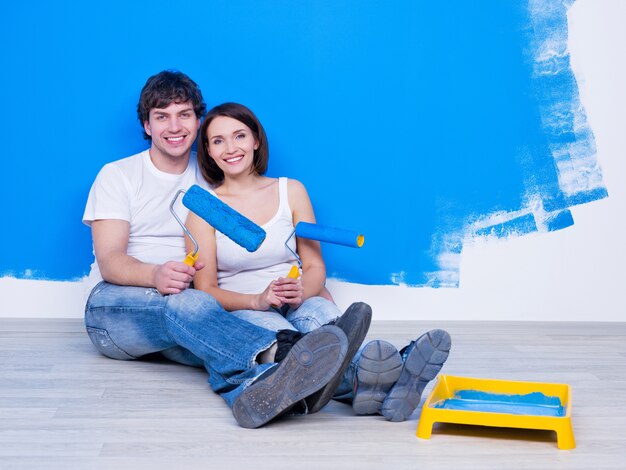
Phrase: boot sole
[378,369]
[354,322]
[422,365]
[310,365]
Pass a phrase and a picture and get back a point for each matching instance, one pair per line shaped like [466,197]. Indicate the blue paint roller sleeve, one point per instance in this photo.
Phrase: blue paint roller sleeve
[329,234]
[223,218]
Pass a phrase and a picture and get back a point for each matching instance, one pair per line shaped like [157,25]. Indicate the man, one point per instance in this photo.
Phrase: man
[141,301]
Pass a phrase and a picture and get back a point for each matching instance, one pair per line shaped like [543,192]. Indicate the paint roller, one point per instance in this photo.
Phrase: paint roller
[220,216]
[322,233]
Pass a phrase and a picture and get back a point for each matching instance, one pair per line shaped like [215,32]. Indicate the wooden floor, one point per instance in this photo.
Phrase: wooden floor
[62,405]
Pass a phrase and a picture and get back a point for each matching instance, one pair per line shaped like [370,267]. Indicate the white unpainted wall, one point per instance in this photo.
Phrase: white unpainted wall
[572,274]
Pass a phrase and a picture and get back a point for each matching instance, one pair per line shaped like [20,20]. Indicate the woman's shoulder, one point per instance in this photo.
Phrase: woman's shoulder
[295,185]
[297,194]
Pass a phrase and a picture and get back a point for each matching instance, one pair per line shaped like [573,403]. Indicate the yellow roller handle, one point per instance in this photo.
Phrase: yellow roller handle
[294,272]
[191,258]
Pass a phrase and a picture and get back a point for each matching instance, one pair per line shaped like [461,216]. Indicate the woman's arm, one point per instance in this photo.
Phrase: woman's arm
[206,279]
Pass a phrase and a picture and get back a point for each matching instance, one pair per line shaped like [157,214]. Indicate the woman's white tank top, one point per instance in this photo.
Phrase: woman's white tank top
[250,273]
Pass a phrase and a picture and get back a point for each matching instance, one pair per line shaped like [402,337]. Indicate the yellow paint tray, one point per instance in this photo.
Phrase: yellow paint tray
[500,403]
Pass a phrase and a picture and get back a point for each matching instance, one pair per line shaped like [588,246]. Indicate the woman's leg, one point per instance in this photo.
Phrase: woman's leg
[313,313]
[270,319]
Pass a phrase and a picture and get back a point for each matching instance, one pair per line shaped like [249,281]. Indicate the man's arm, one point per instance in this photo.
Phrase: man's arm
[110,241]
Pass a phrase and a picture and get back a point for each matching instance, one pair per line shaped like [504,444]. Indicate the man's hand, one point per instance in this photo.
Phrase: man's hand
[174,277]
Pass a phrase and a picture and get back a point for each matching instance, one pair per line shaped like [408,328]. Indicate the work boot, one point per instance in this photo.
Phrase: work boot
[309,365]
[423,359]
[377,370]
[354,322]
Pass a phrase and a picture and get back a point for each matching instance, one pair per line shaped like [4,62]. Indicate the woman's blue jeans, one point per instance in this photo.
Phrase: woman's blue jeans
[126,322]
[313,313]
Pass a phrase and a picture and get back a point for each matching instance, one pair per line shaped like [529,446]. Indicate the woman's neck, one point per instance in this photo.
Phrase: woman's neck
[241,184]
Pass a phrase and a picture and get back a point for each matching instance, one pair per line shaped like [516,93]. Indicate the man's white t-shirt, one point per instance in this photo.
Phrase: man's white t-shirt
[134,190]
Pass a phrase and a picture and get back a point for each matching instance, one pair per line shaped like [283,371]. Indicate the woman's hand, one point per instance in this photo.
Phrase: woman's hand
[289,291]
[267,299]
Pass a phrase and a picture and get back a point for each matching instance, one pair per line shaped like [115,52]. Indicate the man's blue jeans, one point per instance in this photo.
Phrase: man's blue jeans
[125,322]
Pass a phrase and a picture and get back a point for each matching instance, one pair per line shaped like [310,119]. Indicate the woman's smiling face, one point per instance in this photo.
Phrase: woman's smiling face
[231,144]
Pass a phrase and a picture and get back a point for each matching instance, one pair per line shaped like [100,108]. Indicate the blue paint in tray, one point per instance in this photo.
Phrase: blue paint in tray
[535,403]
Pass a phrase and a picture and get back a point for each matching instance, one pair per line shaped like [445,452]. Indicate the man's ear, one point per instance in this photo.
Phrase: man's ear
[146,127]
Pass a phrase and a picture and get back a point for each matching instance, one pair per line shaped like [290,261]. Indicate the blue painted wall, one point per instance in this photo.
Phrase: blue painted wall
[414,122]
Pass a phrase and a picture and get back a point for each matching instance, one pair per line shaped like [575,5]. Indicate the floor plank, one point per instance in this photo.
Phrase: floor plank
[63,405]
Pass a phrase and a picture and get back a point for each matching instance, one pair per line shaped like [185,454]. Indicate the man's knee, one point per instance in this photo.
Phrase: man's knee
[106,295]
[193,302]
[105,345]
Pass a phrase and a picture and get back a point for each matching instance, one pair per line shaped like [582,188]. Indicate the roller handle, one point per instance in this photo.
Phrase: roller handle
[191,258]
[294,272]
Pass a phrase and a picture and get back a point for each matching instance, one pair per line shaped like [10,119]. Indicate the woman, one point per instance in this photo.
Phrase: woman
[233,156]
